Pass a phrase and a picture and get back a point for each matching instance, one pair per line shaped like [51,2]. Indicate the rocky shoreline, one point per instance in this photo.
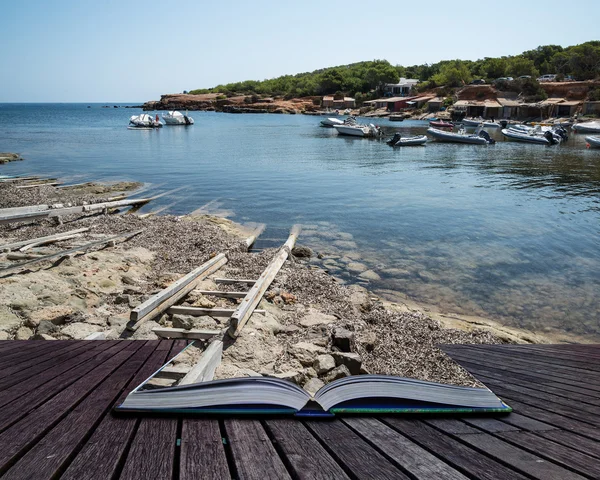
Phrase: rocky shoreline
[9,157]
[314,330]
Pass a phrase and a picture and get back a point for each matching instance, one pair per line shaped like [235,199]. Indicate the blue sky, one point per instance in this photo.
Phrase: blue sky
[125,51]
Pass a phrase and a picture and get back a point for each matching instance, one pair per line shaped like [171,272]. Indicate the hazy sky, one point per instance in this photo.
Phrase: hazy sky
[133,51]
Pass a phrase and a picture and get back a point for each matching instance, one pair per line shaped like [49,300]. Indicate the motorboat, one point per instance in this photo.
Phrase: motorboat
[587,127]
[144,122]
[331,122]
[399,141]
[356,130]
[475,122]
[397,118]
[593,141]
[177,118]
[480,137]
[441,124]
[538,134]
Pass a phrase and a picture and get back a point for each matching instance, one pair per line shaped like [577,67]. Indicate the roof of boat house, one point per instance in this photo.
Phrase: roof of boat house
[57,422]
[436,100]
[477,103]
[508,102]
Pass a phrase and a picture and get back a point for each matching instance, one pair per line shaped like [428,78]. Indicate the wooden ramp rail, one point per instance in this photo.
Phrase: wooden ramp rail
[213,312]
[39,240]
[72,251]
[204,370]
[193,334]
[240,317]
[176,291]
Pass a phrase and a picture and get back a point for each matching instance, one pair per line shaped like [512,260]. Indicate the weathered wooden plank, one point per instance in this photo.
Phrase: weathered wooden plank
[416,460]
[40,240]
[193,334]
[101,455]
[490,424]
[82,248]
[204,370]
[213,312]
[37,185]
[202,452]
[253,453]
[571,439]
[52,453]
[30,428]
[548,356]
[256,292]
[307,458]
[451,451]
[16,356]
[216,293]
[161,301]
[229,281]
[255,234]
[523,422]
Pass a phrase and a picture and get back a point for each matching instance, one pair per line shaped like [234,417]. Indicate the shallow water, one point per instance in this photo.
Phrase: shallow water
[508,231]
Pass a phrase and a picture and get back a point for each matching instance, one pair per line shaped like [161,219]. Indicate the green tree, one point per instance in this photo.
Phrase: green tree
[517,66]
[453,73]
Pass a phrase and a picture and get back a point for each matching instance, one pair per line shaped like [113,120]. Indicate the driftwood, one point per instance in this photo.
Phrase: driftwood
[256,292]
[72,251]
[33,185]
[199,312]
[40,240]
[252,238]
[217,293]
[234,280]
[173,293]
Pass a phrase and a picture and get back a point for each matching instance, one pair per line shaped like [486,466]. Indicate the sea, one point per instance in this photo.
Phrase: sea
[508,232]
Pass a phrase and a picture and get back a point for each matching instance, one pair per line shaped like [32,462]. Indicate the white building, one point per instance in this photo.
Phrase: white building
[402,88]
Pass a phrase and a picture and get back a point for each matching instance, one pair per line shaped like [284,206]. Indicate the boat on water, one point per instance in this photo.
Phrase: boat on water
[440,124]
[480,137]
[331,122]
[475,122]
[399,141]
[593,141]
[397,118]
[357,130]
[177,118]
[587,127]
[538,134]
[144,122]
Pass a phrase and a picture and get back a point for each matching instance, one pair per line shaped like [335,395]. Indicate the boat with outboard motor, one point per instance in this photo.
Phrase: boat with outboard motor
[177,118]
[440,124]
[351,128]
[538,134]
[480,137]
[399,141]
[593,141]
[331,122]
[587,127]
[475,122]
[144,122]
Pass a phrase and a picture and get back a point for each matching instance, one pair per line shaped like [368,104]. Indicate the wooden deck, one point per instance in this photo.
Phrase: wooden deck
[56,422]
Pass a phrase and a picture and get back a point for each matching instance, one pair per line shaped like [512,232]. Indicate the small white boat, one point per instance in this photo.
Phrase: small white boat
[144,122]
[538,134]
[399,141]
[331,122]
[177,118]
[587,127]
[478,138]
[475,122]
[358,130]
[521,135]
[593,141]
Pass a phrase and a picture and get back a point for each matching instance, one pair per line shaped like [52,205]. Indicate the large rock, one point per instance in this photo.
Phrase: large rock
[292,376]
[182,321]
[4,335]
[338,372]
[78,331]
[8,320]
[342,339]
[324,363]
[42,336]
[369,275]
[314,318]
[313,385]
[23,333]
[58,315]
[350,360]
[302,252]
[368,340]
[359,297]
[357,267]
[306,353]
[46,327]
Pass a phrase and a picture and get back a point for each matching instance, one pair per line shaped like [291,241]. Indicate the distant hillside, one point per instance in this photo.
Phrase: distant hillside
[581,62]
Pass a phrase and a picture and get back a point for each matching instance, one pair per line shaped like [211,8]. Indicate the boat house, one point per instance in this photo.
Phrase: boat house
[329,101]
[435,104]
[480,108]
[590,108]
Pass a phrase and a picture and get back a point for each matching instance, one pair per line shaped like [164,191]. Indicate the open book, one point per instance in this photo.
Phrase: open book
[355,394]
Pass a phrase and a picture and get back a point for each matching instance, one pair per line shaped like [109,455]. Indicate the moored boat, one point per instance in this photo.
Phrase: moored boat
[587,127]
[593,141]
[478,138]
[538,134]
[144,122]
[357,130]
[177,118]
[441,124]
[475,122]
[331,122]
[399,141]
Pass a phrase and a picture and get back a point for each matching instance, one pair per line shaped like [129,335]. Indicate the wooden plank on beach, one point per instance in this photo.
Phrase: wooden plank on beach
[64,253]
[204,370]
[256,292]
[35,185]
[213,312]
[184,284]
[217,293]
[40,240]
[234,280]
[252,238]
[194,334]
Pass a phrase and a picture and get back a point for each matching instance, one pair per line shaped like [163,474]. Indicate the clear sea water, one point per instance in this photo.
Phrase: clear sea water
[508,231]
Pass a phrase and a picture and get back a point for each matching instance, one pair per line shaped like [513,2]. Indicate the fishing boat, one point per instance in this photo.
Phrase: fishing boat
[587,127]
[480,137]
[144,122]
[331,122]
[475,122]
[593,141]
[399,141]
[357,130]
[177,118]
[441,124]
